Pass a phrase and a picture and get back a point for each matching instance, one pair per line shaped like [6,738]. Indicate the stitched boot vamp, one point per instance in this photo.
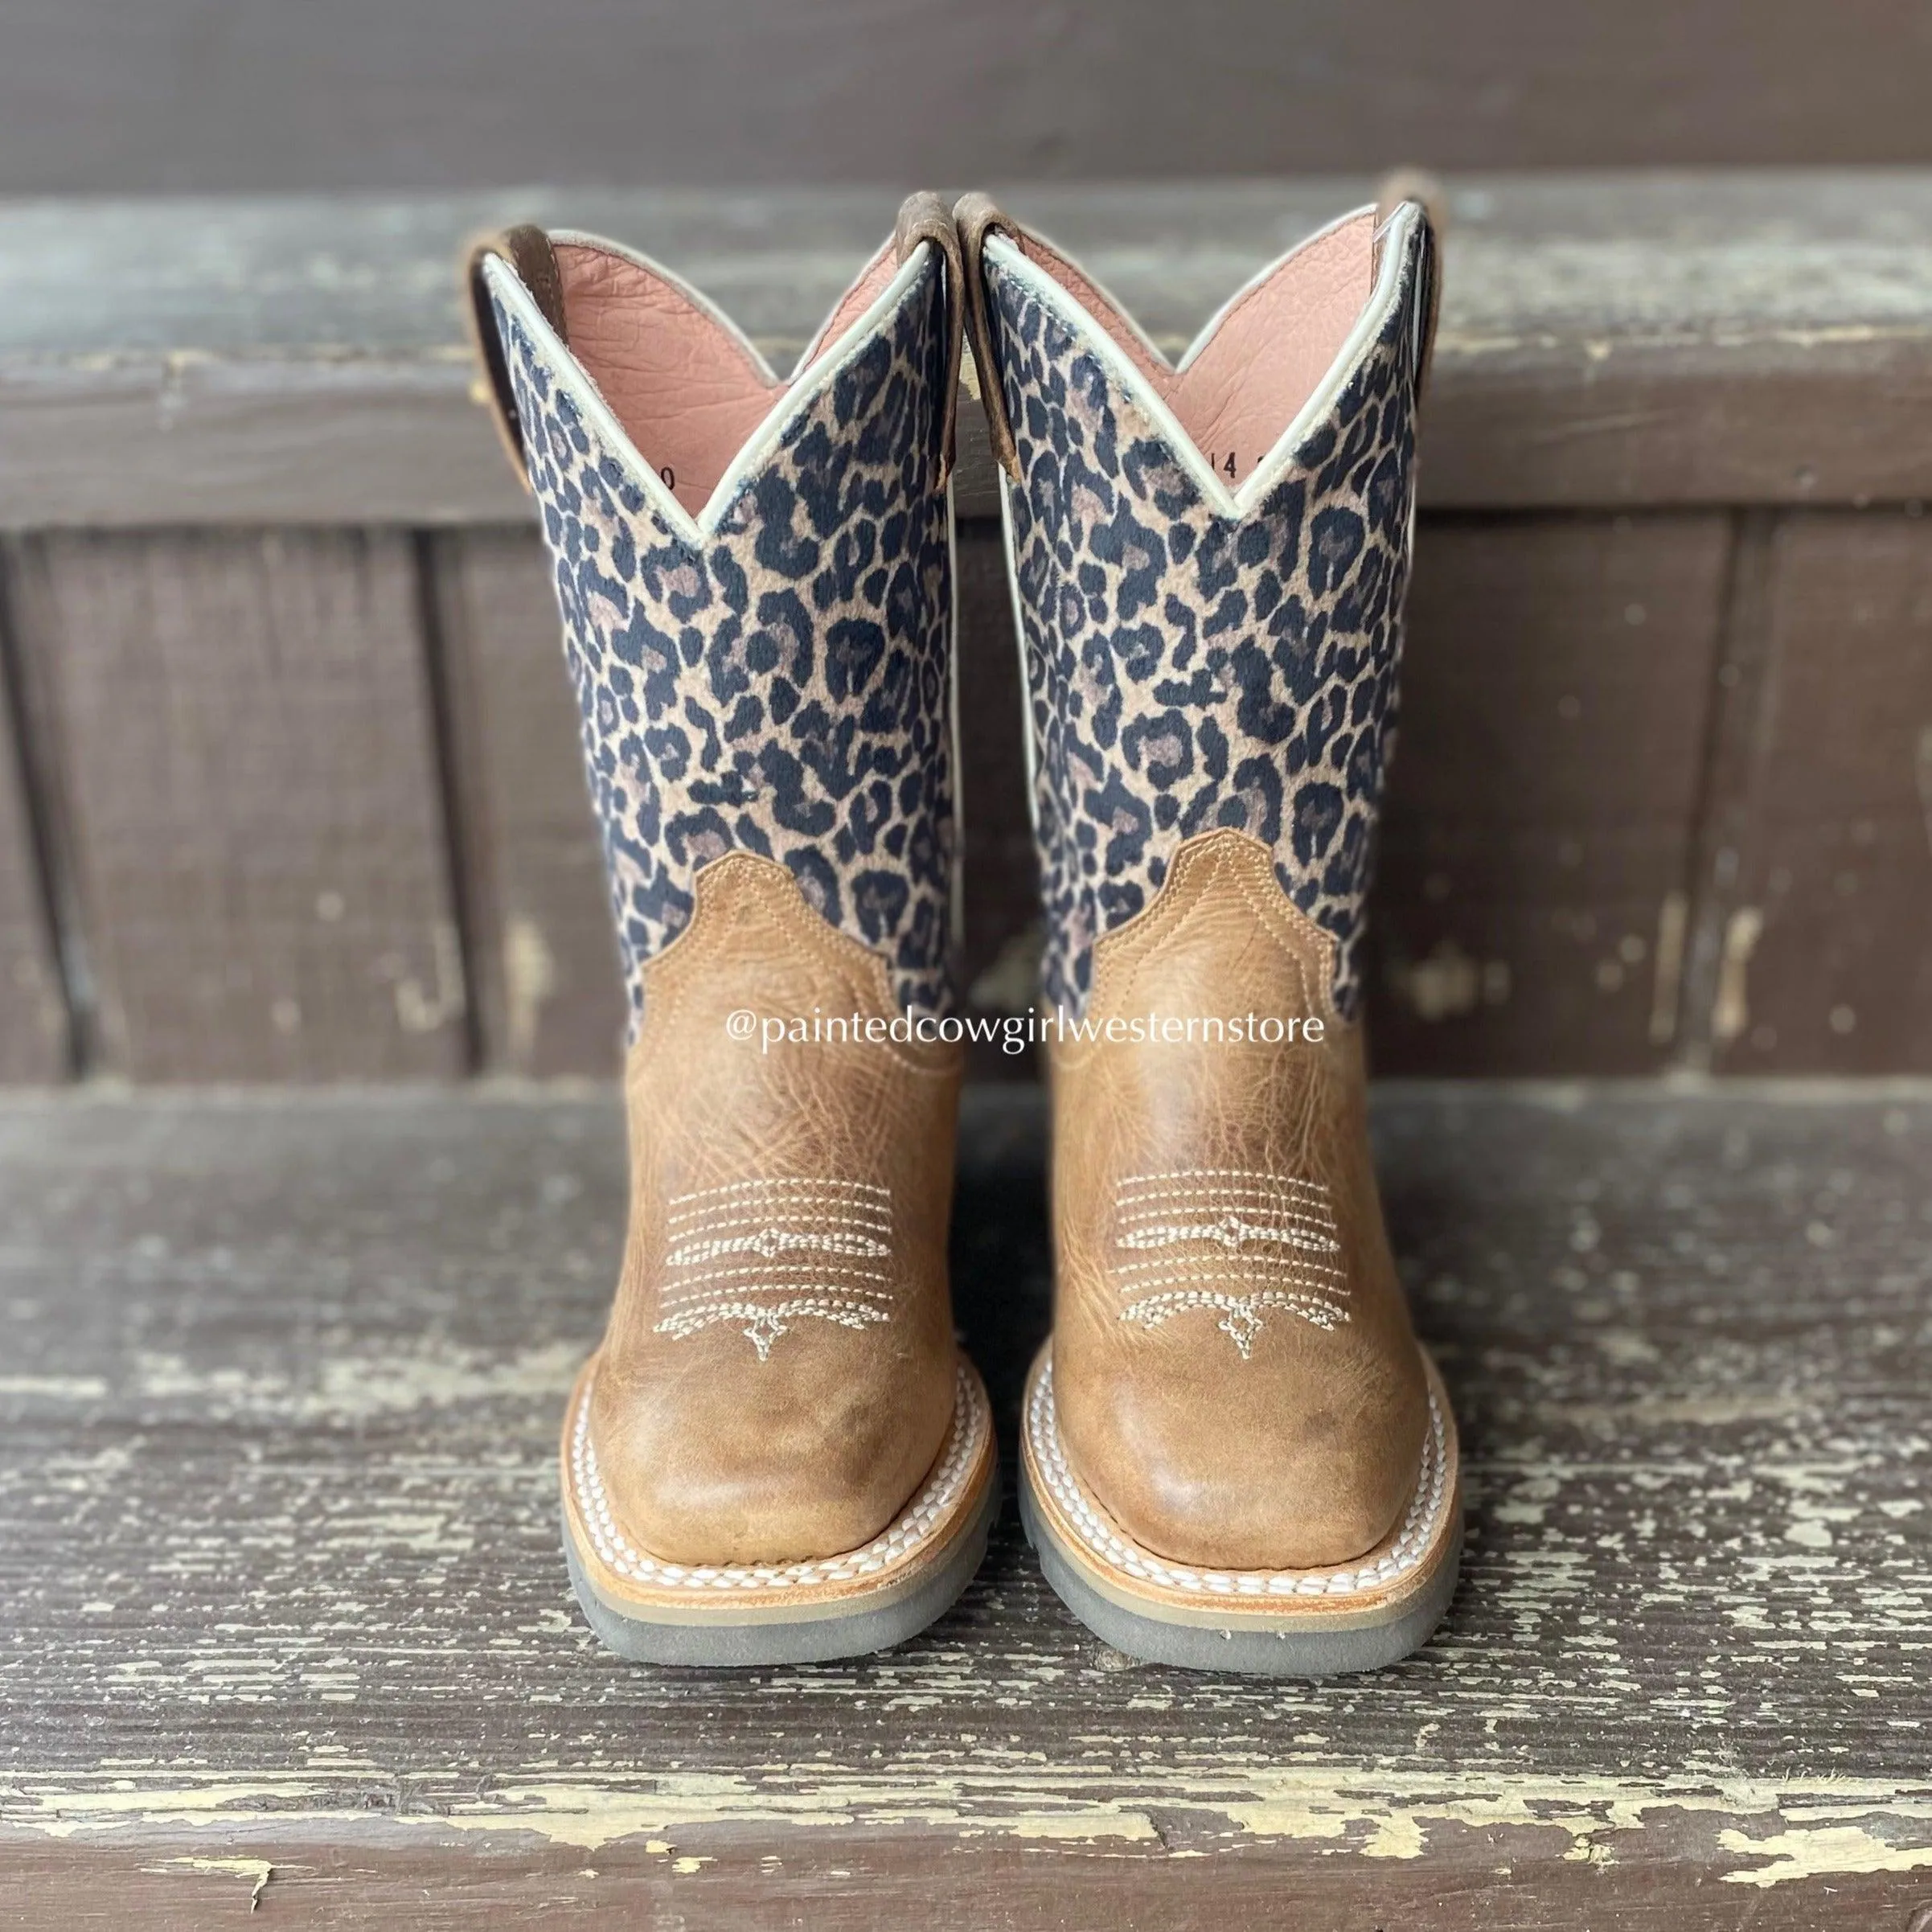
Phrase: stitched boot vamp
[1235,1373]
[779,1372]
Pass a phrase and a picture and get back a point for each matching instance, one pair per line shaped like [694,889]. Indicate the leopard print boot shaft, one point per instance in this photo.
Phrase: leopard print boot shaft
[755,584]
[1235,1455]
[778,1452]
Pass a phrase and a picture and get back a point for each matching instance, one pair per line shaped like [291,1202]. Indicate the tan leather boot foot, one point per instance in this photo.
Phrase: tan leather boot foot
[1236,1456]
[779,1452]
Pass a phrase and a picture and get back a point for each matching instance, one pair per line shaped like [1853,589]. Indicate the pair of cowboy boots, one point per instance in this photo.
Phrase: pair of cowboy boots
[1235,1455]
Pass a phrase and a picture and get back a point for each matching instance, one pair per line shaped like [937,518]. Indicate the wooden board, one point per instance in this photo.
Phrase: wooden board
[280,1602]
[94,98]
[242,760]
[543,962]
[1000,940]
[1823,933]
[35,1039]
[1529,913]
[1607,342]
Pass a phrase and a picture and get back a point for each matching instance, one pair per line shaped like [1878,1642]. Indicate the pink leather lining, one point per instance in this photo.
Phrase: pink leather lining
[1268,351]
[687,392]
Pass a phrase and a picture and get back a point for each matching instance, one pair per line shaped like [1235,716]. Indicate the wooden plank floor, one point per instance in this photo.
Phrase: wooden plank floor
[283,1622]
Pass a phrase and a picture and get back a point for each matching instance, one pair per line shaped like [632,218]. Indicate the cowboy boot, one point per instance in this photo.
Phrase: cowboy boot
[1235,1455]
[778,1452]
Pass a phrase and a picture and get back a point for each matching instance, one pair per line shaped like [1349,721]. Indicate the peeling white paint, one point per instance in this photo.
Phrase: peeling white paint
[256,1870]
[1819,1852]
[1731,1012]
[1833,1826]
[348,1388]
[529,978]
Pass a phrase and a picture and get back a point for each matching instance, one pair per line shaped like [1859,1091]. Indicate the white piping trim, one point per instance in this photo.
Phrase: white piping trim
[956,946]
[1019,640]
[1234,504]
[507,286]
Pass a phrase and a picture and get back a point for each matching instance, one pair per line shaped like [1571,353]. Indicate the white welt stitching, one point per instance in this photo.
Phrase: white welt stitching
[926,1513]
[1420,1524]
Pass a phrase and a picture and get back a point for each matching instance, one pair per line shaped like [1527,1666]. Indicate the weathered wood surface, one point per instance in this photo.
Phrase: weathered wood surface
[1606,341]
[1532,884]
[1661,799]
[35,1045]
[280,1599]
[542,959]
[240,763]
[95,98]
[1824,952]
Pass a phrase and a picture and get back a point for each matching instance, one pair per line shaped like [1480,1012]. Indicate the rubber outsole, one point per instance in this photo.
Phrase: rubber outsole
[855,1633]
[1286,1652]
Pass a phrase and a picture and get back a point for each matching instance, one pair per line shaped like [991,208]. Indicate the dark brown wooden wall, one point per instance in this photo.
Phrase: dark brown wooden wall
[307,804]
[251,96]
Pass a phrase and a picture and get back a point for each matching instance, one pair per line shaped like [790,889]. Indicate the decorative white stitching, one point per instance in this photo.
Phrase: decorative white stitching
[1237,1210]
[773,1184]
[765,1321]
[716,1297]
[1230,1231]
[837,1224]
[1285,1207]
[892,1548]
[770,1273]
[1240,1321]
[1221,1174]
[800,1210]
[768,1244]
[1298,1266]
[1421,1523]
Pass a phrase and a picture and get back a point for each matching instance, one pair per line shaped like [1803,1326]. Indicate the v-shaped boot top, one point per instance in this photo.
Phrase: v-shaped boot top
[669,379]
[1269,366]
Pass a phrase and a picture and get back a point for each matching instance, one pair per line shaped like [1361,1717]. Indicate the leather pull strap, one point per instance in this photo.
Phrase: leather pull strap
[924,217]
[975,217]
[1413,184]
[528,251]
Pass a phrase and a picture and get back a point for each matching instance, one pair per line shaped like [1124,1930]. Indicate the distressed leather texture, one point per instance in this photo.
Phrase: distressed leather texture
[778,1372]
[1235,1373]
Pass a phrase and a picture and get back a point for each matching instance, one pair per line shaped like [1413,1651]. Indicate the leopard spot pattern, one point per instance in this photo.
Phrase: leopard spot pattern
[1185,670]
[781,687]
